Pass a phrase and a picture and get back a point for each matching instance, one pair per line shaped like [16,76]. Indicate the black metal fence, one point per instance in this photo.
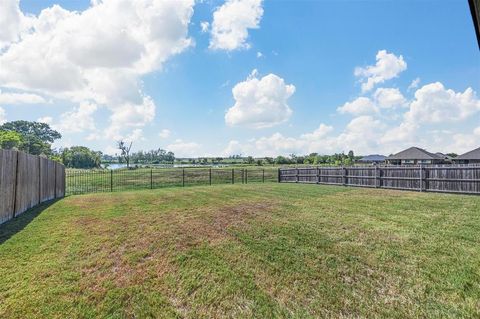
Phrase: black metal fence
[97,181]
[463,179]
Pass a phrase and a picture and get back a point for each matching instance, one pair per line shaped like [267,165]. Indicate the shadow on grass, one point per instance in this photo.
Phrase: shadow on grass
[15,225]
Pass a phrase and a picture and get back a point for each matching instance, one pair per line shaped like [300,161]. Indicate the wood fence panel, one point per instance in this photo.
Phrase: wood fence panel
[442,178]
[59,180]
[28,178]
[47,179]
[26,181]
[8,168]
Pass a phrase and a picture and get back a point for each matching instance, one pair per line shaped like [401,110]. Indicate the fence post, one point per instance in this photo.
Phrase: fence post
[421,178]
[345,178]
[183,177]
[151,178]
[318,175]
[210,176]
[263,175]
[246,175]
[15,185]
[279,180]
[233,176]
[296,175]
[111,180]
[243,175]
[376,177]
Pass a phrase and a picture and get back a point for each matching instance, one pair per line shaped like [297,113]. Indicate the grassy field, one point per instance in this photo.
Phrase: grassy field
[260,250]
[98,181]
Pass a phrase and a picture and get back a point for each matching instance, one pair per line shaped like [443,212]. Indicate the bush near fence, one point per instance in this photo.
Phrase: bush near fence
[463,179]
[97,181]
[26,181]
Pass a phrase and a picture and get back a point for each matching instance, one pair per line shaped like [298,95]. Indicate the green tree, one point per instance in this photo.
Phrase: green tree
[81,157]
[37,137]
[10,139]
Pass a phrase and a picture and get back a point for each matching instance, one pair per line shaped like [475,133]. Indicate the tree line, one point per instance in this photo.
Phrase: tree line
[37,138]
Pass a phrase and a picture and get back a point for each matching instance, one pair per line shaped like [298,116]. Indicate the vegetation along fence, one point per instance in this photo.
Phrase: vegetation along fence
[448,178]
[26,181]
[95,181]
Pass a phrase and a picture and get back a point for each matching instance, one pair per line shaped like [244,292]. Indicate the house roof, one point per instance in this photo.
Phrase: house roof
[445,156]
[415,153]
[472,155]
[373,158]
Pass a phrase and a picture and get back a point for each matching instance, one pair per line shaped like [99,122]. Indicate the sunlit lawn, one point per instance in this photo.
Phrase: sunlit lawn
[256,250]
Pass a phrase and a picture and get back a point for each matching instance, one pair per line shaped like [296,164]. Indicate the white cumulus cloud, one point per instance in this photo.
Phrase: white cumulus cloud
[361,105]
[97,55]
[20,98]
[434,103]
[184,149]
[78,120]
[3,116]
[389,98]
[231,22]
[260,103]
[165,133]
[388,66]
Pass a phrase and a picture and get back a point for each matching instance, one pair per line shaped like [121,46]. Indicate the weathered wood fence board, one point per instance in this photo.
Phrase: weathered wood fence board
[26,181]
[8,168]
[446,178]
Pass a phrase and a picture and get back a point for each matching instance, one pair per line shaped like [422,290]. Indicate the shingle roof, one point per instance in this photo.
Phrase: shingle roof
[373,158]
[415,153]
[472,155]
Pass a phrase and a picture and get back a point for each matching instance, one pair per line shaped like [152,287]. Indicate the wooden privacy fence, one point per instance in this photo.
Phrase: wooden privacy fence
[447,178]
[26,181]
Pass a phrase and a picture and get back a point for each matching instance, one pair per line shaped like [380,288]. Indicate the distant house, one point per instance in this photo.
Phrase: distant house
[472,157]
[415,155]
[372,159]
[446,158]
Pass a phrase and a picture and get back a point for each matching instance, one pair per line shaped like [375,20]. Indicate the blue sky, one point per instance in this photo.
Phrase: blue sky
[85,70]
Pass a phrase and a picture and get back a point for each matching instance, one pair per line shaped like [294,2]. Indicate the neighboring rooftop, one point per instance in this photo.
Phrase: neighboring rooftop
[373,158]
[415,153]
[472,155]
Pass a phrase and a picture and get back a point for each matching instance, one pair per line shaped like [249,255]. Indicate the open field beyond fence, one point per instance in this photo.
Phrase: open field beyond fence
[462,179]
[98,181]
[245,251]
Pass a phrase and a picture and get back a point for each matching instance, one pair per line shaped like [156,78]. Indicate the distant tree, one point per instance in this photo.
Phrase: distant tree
[453,155]
[36,137]
[81,157]
[269,160]
[282,160]
[351,155]
[259,162]
[125,151]
[10,140]
[250,160]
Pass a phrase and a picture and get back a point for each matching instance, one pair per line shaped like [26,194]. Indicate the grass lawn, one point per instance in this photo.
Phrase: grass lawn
[257,250]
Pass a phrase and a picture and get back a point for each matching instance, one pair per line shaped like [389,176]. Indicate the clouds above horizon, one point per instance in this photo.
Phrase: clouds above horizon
[387,66]
[385,121]
[231,22]
[260,103]
[96,56]
[130,69]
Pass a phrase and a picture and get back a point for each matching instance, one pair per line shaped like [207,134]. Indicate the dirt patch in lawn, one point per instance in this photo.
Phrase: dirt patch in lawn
[141,246]
[214,225]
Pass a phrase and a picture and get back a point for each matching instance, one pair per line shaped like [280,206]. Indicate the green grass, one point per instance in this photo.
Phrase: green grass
[97,181]
[241,251]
